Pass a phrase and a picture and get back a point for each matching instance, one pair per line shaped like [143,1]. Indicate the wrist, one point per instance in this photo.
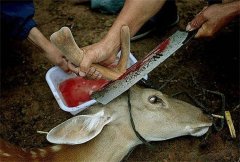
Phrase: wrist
[36,37]
[111,42]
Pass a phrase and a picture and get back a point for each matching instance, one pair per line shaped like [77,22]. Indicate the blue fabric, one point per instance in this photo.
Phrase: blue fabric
[17,19]
[108,6]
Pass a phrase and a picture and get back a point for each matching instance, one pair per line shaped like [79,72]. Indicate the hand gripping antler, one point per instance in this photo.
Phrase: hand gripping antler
[64,40]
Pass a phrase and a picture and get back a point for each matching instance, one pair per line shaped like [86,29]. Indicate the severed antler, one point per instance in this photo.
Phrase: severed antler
[63,39]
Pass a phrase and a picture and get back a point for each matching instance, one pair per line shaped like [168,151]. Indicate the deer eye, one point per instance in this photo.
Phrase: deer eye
[154,99]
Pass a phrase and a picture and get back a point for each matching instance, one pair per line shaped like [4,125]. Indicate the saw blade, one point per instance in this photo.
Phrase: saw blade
[141,68]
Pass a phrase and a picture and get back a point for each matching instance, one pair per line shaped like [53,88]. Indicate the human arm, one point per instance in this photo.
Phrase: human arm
[213,18]
[134,14]
[17,23]
[52,53]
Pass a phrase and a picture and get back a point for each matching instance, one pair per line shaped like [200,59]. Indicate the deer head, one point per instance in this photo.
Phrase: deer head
[161,117]
[157,117]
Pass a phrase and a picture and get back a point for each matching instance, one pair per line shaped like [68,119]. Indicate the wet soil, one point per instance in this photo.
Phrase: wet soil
[27,104]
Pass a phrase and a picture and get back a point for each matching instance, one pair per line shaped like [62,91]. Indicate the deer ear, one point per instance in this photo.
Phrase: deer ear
[79,129]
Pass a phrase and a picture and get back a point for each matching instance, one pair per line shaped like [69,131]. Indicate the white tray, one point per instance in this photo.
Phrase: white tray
[56,75]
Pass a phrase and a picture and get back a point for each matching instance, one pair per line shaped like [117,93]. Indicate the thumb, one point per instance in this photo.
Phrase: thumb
[64,65]
[197,21]
[85,64]
[199,33]
[109,61]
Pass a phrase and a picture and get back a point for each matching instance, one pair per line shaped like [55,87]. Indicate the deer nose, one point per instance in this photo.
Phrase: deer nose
[205,119]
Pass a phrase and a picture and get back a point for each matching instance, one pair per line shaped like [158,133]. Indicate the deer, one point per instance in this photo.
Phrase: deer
[106,133]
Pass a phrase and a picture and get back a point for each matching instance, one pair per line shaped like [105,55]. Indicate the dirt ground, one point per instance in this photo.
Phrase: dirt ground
[27,104]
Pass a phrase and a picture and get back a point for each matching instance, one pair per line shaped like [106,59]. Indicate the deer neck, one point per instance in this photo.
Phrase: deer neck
[113,143]
[118,137]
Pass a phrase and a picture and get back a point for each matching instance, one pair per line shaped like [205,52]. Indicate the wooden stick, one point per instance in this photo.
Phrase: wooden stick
[42,132]
[230,124]
[217,116]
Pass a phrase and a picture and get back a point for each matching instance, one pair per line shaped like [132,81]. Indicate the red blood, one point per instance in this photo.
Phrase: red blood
[159,49]
[78,90]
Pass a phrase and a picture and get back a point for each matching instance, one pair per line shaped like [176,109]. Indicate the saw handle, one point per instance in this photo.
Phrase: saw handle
[63,40]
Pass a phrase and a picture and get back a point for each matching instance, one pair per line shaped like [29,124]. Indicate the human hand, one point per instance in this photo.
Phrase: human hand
[95,53]
[102,53]
[213,18]
[63,40]
[55,56]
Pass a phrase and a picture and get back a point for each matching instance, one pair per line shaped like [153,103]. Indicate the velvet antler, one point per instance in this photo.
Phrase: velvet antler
[63,39]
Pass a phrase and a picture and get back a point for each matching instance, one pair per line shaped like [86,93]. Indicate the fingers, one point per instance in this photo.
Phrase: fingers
[206,30]
[110,61]
[72,67]
[197,21]
[85,66]
[94,74]
[86,63]
[75,69]
[63,65]
[200,33]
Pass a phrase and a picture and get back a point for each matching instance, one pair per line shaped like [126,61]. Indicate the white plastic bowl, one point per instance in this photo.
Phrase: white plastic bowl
[56,75]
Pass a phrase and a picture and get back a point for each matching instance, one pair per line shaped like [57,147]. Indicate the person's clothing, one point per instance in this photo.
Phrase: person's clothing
[107,6]
[17,19]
